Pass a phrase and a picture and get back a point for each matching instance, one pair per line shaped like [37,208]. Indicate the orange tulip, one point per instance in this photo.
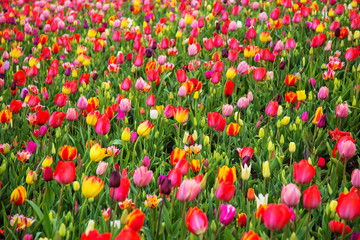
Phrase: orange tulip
[233,129]
[5,116]
[181,114]
[68,153]
[250,194]
[226,174]
[318,114]
[290,80]
[177,155]
[18,196]
[250,236]
[135,220]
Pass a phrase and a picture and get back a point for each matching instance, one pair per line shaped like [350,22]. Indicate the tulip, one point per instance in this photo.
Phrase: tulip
[229,88]
[227,214]
[323,93]
[68,153]
[102,126]
[92,118]
[266,169]
[272,108]
[225,191]
[183,165]
[226,174]
[97,153]
[18,196]
[355,178]
[290,80]
[351,54]
[259,74]
[48,174]
[346,147]
[56,119]
[60,99]
[241,220]
[188,190]
[337,227]
[165,185]
[251,235]
[42,117]
[100,170]
[135,220]
[243,102]
[125,105]
[290,194]
[72,114]
[245,172]
[144,128]
[227,110]
[348,207]
[233,129]
[168,111]
[311,197]
[181,115]
[303,172]
[65,172]
[94,234]
[196,221]
[125,136]
[128,234]
[342,110]
[276,216]
[150,101]
[142,176]
[114,180]
[31,177]
[92,186]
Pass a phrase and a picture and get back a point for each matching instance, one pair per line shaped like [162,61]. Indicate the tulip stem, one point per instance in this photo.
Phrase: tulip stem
[49,142]
[218,232]
[81,213]
[343,231]
[59,207]
[271,234]
[112,227]
[137,194]
[183,221]
[307,225]
[158,227]
[344,174]
[172,203]
[112,201]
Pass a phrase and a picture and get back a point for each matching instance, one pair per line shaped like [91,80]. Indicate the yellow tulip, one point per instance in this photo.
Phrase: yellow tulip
[92,186]
[97,153]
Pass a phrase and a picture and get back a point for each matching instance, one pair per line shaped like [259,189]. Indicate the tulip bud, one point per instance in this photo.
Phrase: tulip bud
[271,146]
[195,122]
[333,205]
[206,140]
[261,133]
[76,186]
[292,147]
[293,236]
[123,219]
[162,228]
[62,230]
[266,169]
[213,226]
[282,140]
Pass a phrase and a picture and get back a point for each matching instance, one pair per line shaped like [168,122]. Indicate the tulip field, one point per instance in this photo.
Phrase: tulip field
[179,119]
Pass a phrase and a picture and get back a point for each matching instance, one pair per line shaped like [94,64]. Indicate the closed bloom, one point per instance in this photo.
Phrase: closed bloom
[125,105]
[142,176]
[102,126]
[135,220]
[18,196]
[245,172]
[176,155]
[311,197]
[65,172]
[323,93]
[125,136]
[276,216]
[243,102]
[266,169]
[231,73]
[188,190]
[92,186]
[181,114]
[92,118]
[121,192]
[233,129]
[346,146]
[68,153]
[303,172]
[272,108]
[251,235]
[348,207]
[225,192]
[318,114]
[82,103]
[128,234]
[196,221]
[227,214]
[97,153]
[5,116]
[290,194]
[355,178]
[259,74]
[342,110]
[290,80]
[144,128]
[227,110]
[101,169]
[165,184]
[292,147]
[226,174]
[72,114]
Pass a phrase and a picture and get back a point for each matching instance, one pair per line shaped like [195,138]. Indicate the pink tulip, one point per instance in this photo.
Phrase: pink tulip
[227,214]
[290,194]
[227,110]
[342,110]
[188,190]
[276,216]
[125,105]
[243,102]
[142,176]
[346,146]
[150,101]
[72,114]
[355,178]
[323,93]
[101,169]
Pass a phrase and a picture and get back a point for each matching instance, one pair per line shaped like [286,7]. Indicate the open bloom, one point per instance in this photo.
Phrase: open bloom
[144,128]
[181,114]
[97,153]
[142,176]
[21,221]
[68,153]
[92,186]
[337,227]
[196,221]
[226,174]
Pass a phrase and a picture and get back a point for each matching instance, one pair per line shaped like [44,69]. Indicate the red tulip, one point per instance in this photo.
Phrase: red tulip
[272,108]
[56,119]
[225,191]
[128,234]
[42,117]
[303,172]
[60,99]
[213,119]
[215,77]
[120,193]
[175,176]
[183,165]
[95,235]
[20,78]
[348,207]
[180,75]
[311,197]
[65,172]
[337,227]
[220,127]
[259,74]
[150,101]
[218,66]
[196,221]
[15,106]
[126,84]
[229,88]
[276,216]
[102,125]
[351,54]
